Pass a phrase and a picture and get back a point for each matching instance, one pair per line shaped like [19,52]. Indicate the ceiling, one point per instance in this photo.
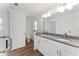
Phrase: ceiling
[32,9]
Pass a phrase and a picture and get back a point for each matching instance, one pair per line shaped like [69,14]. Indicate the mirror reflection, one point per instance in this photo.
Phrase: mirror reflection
[64,20]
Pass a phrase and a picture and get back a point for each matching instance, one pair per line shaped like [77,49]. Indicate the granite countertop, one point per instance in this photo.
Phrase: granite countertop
[68,41]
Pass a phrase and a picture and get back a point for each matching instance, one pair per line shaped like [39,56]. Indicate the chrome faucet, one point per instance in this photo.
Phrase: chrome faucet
[65,35]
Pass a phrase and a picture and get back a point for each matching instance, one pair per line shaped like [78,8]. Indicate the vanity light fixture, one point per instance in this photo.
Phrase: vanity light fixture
[44,16]
[67,6]
[60,9]
[47,15]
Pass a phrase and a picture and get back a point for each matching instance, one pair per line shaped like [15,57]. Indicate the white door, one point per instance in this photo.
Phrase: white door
[17,29]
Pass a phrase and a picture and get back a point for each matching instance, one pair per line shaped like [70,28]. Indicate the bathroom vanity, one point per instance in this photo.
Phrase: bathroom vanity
[51,45]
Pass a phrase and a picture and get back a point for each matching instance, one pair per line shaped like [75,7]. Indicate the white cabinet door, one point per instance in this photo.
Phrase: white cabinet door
[66,53]
[42,44]
[37,43]
[46,46]
[36,38]
[53,49]
[58,49]
[67,50]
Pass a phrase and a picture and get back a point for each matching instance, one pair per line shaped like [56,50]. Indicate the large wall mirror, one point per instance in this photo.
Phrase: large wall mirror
[66,22]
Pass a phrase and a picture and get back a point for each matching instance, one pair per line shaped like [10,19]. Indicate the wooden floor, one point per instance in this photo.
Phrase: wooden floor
[25,51]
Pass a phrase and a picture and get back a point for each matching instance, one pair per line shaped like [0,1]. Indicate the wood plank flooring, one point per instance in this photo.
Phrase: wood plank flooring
[25,51]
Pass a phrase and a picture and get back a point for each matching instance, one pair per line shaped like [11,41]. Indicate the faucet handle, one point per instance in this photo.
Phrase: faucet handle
[65,34]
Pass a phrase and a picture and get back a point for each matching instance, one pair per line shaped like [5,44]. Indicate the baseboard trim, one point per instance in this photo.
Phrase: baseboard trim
[16,49]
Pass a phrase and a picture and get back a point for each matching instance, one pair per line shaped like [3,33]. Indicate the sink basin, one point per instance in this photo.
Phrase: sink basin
[64,40]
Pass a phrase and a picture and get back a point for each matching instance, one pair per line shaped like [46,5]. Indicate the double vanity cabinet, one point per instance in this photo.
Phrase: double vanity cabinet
[54,48]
